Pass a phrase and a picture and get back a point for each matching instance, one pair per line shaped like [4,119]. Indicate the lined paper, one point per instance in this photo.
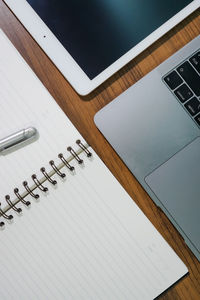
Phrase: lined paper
[86,239]
[25,102]
[74,244]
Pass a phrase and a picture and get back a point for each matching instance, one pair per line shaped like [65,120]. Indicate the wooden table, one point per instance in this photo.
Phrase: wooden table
[81,111]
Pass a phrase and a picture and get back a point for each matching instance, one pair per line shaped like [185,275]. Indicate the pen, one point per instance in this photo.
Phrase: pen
[17,138]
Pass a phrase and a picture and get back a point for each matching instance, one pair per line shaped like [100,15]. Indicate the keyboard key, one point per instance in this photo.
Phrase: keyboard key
[190,76]
[183,93]
[173,80]
[195,61]
[193,106]
[197,119]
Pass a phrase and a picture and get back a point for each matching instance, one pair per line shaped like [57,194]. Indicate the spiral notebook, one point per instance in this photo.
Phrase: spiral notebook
[84,237]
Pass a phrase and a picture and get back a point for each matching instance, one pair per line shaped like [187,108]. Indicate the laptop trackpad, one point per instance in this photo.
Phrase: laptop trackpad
[176,183]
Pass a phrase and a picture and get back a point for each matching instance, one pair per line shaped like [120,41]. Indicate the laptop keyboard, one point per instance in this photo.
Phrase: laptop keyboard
[184,82]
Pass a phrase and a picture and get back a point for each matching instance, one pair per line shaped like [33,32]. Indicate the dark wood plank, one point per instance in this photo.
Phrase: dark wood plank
[81,111]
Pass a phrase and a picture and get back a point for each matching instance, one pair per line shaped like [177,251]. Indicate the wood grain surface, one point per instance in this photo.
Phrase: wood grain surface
[81,111]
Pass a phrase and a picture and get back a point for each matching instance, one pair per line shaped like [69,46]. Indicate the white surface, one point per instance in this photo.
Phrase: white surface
[25,102]
[86,239]
[64,61]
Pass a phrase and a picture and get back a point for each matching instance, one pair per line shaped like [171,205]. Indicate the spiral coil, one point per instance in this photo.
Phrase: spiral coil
[39,184]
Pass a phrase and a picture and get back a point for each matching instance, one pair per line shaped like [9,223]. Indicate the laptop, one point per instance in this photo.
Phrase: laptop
[154,126]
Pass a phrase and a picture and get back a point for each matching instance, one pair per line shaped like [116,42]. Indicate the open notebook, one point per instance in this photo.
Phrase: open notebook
[83,239]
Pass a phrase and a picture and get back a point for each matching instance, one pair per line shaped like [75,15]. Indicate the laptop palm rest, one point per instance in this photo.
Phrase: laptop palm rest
[177,183]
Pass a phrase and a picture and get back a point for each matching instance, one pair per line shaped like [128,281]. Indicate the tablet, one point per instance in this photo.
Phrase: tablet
[90,40]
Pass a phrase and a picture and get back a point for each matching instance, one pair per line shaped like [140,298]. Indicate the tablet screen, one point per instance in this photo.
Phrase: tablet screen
[98,32]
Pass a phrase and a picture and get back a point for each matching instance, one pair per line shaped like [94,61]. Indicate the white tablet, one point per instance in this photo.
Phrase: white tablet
[89,40]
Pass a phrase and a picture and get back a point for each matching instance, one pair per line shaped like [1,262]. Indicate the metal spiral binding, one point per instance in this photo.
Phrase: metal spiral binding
[65,162]
[7,217]
[52,181]
[88,153]
[25,184]
[20,198]
[38,184]
[62,175]
[17,209]
[75,155]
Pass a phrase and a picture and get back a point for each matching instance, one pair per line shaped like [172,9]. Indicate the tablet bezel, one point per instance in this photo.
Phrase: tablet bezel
[65,62]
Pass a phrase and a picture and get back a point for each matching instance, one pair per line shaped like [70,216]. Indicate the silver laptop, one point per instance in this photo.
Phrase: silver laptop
[155,128]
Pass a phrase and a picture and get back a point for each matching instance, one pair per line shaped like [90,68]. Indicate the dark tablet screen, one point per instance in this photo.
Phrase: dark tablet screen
[98,32]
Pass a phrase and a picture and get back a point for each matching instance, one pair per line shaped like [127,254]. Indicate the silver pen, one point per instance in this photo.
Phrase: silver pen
[17,138]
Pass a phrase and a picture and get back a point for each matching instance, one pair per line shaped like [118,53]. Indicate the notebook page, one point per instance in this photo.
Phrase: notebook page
[25,102]
[86,240]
